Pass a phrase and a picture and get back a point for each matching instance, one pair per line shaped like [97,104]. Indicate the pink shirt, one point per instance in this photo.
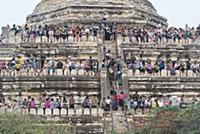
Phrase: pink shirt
[121,96]
[47,104]
[32,104]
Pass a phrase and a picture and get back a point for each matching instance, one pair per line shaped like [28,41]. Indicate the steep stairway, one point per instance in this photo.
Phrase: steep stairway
[119,121]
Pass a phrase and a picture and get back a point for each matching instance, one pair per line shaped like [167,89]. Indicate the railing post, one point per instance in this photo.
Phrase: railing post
[36,111]
[97,110]
[82,111]
[6,110]
[187,73]
[52,111]
[29,111]
[74,111]
[21,111]
[90,110]
[104,83]
[44,111]
[59,111]
[125,80]
[67,111]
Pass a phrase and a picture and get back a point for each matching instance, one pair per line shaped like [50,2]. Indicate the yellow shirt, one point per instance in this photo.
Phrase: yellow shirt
[153,105]
[19,62]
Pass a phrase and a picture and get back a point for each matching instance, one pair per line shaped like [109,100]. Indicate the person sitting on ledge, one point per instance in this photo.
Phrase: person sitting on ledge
[59,67]
[71,102]
[51,66]
[85,103]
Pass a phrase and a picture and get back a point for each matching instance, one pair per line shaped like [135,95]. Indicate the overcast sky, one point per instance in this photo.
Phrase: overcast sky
[178,12]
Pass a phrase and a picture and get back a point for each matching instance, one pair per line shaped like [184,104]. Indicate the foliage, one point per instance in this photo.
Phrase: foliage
[183,121]
[16,124]
[173,121]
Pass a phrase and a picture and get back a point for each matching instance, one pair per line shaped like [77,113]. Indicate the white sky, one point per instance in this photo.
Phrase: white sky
[178,12]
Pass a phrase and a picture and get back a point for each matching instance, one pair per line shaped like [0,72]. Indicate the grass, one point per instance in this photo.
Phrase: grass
[16,124]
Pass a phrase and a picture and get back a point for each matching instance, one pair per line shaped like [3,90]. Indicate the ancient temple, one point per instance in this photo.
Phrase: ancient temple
[128,12]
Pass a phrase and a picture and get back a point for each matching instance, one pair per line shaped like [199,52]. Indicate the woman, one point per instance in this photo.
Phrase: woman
[85,103]
[32,103]
[65,103]
[121,100]
[81,67]
[149,67]
[57,34]
[19,63]
[47,103]
[71,102]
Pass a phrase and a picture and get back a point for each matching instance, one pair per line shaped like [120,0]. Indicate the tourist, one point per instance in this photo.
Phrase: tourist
[160,102]
[154,103]
[81,67]
[170,68]
[94,32]
[58,103]
[25,103]
[85,103]
[126,104]
[42,61]
[53,104]
[87,32]
[60,67]
[65,103]
[47,103]
[3,68]
[141,65]
[95,67]
[121,100]
[50,35]
[51,66]
[89,65]
[114,100]
[108,55]
[57,34]
[71,65]
[134,102]
[94,102]
[71,102]
[149,67]
[32,103]
[195,67]
[104,105]
[19,62]
[108,103]
[141,103]
[34,64]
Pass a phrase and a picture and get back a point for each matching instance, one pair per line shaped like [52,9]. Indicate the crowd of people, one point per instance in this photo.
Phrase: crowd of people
[57,33]
[160,35]
[157,66]
[52,102]
[40,65]
[121,101]
[116,102]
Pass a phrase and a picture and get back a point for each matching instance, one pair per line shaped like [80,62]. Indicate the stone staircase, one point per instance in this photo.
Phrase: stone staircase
[119,121]
[112,46]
